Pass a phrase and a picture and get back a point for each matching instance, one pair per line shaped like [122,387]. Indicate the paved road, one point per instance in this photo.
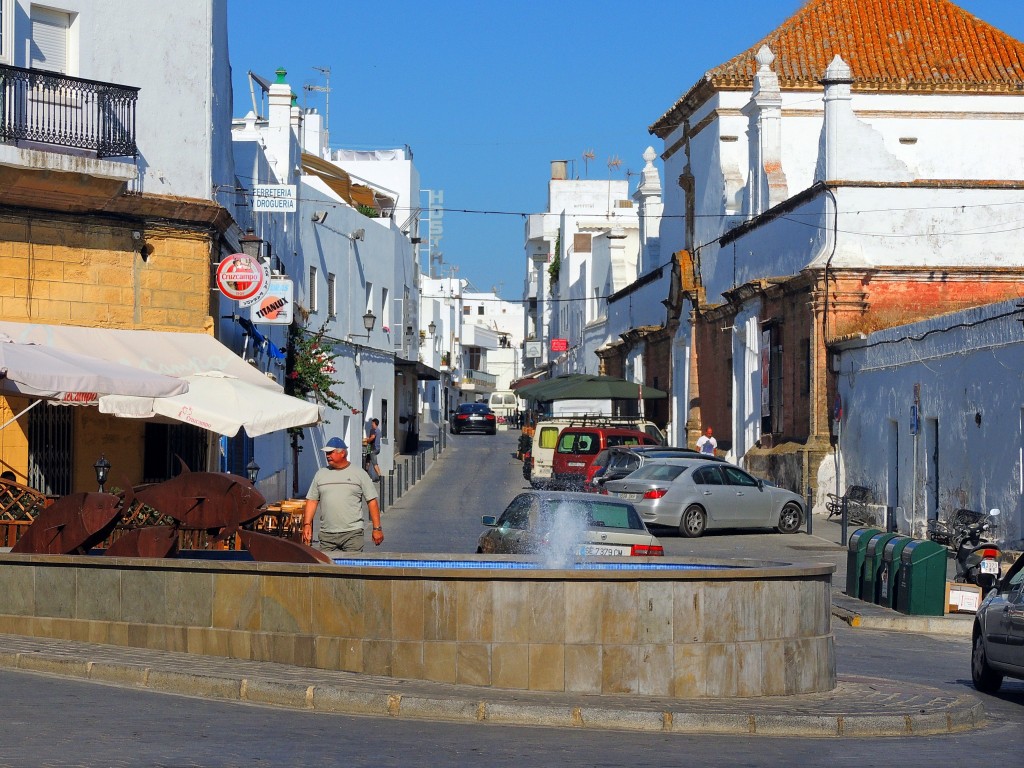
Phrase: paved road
[58,721]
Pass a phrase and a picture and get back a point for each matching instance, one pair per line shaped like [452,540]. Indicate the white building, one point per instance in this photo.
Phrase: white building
[819,197]
[355,276]
[582,249]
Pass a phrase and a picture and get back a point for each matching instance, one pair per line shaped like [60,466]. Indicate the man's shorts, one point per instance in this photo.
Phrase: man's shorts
[347,541]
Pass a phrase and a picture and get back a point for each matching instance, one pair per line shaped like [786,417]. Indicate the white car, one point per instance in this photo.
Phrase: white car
[575,524]
[695,495]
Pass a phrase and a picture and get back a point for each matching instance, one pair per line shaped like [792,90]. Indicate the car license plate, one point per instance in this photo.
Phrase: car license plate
[602,550]
[629,496]
[990,566]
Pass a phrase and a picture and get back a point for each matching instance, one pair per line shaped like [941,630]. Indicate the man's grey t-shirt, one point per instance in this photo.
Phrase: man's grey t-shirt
[340,494]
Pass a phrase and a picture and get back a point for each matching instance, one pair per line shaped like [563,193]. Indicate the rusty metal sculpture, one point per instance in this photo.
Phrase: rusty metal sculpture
[193,502]
[72,525]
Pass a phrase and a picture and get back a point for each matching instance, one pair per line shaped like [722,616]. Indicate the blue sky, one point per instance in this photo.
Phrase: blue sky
[486,93]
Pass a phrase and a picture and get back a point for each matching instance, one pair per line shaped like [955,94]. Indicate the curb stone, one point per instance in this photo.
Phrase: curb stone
[857,707]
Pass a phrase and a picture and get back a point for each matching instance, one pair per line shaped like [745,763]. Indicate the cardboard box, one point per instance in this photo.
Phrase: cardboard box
[962,598]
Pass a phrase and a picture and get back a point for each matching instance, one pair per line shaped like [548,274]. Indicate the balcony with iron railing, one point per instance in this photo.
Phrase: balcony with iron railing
[48,108]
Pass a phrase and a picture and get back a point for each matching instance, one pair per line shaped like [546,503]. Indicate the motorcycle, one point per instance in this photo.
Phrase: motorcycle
[951,532]
[977,558]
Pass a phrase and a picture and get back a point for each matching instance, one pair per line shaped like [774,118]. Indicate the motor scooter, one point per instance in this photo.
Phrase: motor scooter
[977,559]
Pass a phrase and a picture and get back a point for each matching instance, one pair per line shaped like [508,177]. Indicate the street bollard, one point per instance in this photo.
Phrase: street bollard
[391,487]
[810,516]
[846,522]
[423,464]
[405,473]
[380,494]
[398,489]
[433,449]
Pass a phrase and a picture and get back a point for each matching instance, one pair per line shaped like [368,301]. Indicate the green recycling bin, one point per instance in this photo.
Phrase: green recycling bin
[872,565]
[855,558]
[885,585]
[921,582]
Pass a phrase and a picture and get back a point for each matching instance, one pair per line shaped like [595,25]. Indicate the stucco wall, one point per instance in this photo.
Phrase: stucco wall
[967,453]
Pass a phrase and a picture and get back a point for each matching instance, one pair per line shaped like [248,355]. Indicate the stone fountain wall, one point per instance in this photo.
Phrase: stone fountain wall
[758,630]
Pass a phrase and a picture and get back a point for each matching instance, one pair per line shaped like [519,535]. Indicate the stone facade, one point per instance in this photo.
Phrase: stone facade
[707,632]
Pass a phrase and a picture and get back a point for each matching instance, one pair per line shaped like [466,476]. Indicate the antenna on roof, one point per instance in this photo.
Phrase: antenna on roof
[326,90]
[588,155]
[613,163]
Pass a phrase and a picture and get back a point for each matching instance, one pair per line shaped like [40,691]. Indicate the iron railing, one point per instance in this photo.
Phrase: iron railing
[51,108]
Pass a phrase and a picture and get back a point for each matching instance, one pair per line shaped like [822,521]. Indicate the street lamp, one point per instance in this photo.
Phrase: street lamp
[432,328]
[102,467]
[252,470]
[369,319]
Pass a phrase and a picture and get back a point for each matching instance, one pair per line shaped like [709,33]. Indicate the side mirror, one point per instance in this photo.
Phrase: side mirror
[993,513]
[760,484]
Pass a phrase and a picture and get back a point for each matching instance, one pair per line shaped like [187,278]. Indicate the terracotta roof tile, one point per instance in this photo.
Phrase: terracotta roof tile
[891,45]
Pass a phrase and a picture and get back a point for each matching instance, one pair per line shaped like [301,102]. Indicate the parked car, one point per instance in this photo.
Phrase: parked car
[470,417]
[545,439]
[998,638]
[619,461]
[578,524]
[699,494]
[579,446]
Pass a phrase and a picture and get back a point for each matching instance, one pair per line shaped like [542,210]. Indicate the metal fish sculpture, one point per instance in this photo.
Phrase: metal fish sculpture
[208,501]
[72,525]
[274,549]
[154,541]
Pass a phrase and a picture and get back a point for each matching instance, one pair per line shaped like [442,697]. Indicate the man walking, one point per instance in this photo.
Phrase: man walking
[706,443]
[339,490]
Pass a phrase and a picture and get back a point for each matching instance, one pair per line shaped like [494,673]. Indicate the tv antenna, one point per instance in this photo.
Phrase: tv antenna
[588,155]
[613,163]
[326,91]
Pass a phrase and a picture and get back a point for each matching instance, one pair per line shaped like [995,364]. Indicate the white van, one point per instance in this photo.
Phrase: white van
[504,403]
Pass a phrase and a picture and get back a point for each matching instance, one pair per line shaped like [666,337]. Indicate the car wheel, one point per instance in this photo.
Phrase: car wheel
[985,679]
[789,519]
[693,522]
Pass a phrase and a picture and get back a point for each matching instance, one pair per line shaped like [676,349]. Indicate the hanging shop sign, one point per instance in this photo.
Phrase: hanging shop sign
[242,278]
[276,307]
[274,198]
[559,345]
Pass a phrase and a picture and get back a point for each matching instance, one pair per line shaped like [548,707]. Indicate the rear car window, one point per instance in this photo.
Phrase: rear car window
[579,443]
[658,472]
[595,514]
[548,437]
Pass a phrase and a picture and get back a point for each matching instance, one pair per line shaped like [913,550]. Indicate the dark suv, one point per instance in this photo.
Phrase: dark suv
[624,460]
[470,417]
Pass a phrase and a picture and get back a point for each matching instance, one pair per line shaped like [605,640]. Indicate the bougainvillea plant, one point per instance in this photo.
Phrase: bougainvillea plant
[311,367]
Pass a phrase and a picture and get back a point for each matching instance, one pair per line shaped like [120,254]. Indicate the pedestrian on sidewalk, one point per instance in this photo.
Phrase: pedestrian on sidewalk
[371,450]
[706,443]
[339,491]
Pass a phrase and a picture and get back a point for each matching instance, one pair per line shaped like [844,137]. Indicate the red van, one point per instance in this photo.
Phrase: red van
[578,447]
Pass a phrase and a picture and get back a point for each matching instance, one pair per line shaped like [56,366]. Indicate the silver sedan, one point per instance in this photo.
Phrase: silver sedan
[695,495]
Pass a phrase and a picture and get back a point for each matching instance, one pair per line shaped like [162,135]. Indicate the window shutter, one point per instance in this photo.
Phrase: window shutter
[49,40]
[398,324]
[581,243]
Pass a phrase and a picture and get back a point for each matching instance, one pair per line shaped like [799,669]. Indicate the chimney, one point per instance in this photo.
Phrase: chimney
[558,170]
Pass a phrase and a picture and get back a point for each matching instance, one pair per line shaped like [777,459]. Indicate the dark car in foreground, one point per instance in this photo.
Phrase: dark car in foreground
[698,494]
[998,637]
[474,417]
[572,524]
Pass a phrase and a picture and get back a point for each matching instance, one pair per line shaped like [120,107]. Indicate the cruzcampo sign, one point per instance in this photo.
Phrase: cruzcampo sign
[242,278]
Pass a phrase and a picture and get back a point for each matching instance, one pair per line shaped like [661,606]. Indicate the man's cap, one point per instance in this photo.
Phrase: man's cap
[335,444]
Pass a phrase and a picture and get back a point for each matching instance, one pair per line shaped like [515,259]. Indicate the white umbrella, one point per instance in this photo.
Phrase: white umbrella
[42,371]
[220,403]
